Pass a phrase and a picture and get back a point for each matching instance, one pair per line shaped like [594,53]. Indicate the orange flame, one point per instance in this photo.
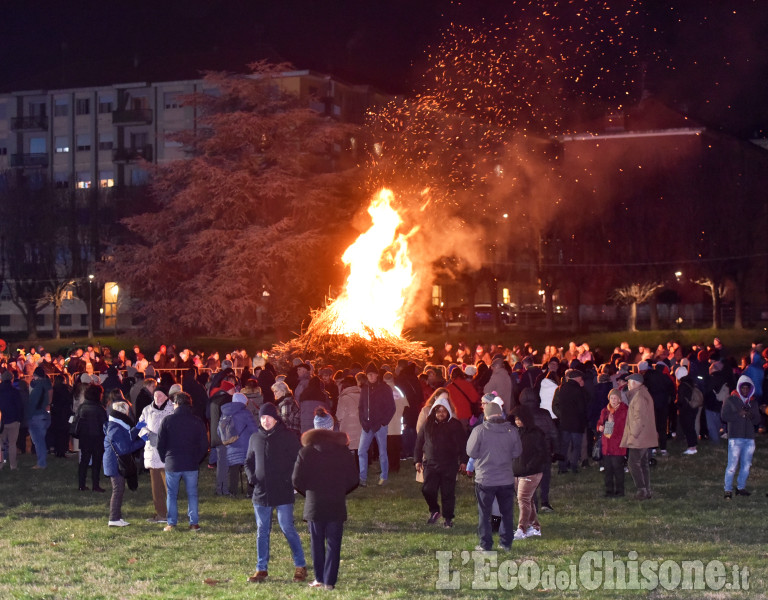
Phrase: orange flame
[381,279]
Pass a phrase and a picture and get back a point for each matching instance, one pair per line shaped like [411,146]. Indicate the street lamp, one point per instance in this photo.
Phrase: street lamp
[90,306]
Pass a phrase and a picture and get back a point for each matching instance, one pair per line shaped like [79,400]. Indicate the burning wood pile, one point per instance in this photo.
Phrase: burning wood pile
[366,321]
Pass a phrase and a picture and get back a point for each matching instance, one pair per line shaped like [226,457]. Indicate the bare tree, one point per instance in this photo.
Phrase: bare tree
[635,294]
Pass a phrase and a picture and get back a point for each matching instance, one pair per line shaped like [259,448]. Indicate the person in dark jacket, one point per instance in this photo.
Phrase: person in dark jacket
[440,454]
[543,420]
[376,409]
[61,411]
[196,391]
[145,396]
[38,417]
[570,406]
[182,445]
[687,413]
[325,472]
[272,452]
[408,384]
[89,429]
[662,390]
[12,409]
[718,389]
[740,413]
[221,397]
[120,438]
[528,467]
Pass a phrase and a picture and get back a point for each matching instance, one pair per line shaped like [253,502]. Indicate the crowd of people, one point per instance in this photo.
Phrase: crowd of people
[503,416]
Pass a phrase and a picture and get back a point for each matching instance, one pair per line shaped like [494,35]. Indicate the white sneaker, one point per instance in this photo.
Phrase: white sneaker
[690,451]
[520,535]
[532,531]
[602,469]
[119,523]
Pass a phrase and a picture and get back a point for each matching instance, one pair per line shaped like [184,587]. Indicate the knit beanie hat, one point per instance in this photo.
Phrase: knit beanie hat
[268,410]
[238,397]
[323,419]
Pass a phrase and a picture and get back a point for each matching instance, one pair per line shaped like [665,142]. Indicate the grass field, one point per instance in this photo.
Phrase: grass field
[55,543]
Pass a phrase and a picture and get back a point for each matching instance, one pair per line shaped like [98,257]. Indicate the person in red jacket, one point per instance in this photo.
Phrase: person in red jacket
[611,424]
[464,397]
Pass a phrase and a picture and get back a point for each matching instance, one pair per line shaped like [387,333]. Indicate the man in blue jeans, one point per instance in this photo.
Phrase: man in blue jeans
[741,415]
[376,409]
[182,443]
[269,463]
[494,444]
[38,417]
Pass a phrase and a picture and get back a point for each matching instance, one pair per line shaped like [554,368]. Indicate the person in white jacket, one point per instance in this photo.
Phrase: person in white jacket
[153,415]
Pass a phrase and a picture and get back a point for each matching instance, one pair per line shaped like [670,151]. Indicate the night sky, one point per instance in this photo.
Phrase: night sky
[704,57]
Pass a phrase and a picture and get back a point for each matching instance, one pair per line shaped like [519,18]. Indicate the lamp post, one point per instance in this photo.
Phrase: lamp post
[90,306]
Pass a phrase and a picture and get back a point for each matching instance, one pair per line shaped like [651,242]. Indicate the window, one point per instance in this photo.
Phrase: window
[83,180]
[83,142]
[138,140]
[106,102]
[139,177]
[61,107]
[65,320]
[36,109]
[171,100]
[106,141]
[106,179]
[83,106]
[83,320]
[61,180]
[3,147]
[5,320]
[3,110]
[37,145]
[40,320]
[62,143]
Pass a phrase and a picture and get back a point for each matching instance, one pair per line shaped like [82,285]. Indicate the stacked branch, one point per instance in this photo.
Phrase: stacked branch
[319,344]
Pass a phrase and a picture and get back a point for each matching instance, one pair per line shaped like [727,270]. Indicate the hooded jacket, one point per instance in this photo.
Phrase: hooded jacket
[500,383]
[441,444]
[535,454]
[153,417]
[756,374]
[120,438]
[245,426]
[325,472]
[269,465]
[494,445]
[741,413]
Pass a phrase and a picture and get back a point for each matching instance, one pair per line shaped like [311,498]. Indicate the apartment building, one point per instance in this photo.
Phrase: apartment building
[105,136]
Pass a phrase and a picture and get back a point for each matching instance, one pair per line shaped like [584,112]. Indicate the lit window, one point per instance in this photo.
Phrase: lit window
[62,143]
[106,179]
[83,180]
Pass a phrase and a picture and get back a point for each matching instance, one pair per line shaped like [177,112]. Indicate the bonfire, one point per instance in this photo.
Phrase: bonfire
[365,322]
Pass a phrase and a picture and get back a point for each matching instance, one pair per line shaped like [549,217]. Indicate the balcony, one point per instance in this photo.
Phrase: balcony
[33,123]
[29,160]
[124,155]
[134,116]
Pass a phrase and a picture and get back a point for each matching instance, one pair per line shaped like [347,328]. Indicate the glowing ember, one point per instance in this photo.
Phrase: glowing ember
[381,279]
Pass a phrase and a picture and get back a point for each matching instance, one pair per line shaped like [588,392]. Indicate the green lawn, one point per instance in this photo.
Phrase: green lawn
[55,543]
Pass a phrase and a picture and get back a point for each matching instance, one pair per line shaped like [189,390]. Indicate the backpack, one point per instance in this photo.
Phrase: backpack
[226,430]
[697,398]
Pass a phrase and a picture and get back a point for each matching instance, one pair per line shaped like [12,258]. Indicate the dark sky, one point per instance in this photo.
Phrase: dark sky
[703,56]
